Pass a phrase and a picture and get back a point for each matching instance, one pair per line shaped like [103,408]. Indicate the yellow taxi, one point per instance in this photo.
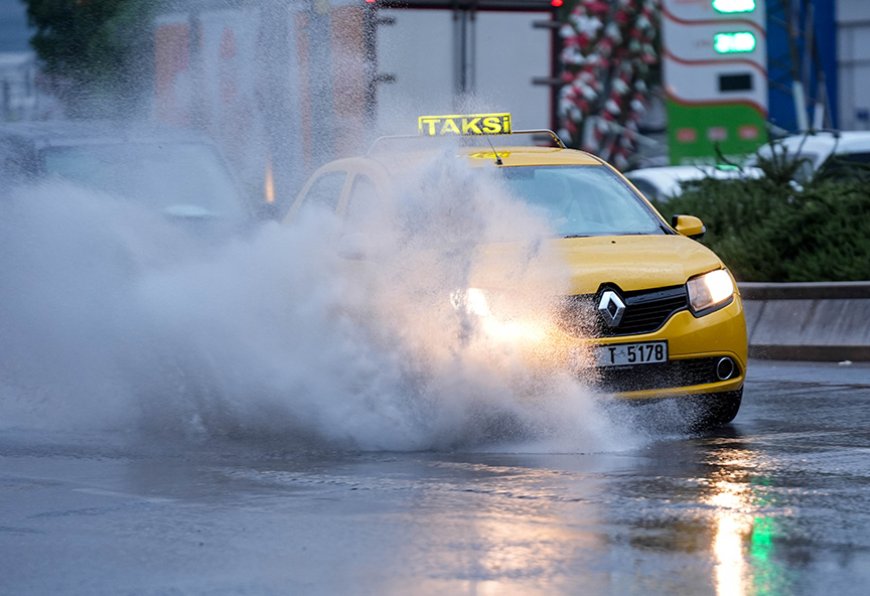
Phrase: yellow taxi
[654,314]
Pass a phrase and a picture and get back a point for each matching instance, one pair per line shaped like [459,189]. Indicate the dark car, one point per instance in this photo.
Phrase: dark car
[178,174]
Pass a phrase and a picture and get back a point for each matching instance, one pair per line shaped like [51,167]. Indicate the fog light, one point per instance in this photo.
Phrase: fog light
[471,300]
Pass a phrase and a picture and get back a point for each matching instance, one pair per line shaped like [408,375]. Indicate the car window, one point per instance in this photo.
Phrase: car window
[582,200]
[16,162]
[847,165]
[853,157]
[8,164]
[361,202]
[647,188]
[325,191]
[172,177]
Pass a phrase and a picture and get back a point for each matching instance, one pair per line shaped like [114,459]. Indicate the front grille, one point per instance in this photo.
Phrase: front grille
[645,311]
[676,373]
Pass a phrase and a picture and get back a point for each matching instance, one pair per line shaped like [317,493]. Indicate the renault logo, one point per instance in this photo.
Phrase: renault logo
[611,308]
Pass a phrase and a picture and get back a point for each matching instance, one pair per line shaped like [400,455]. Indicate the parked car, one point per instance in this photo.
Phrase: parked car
[831,153]
[175,173]
[664,182]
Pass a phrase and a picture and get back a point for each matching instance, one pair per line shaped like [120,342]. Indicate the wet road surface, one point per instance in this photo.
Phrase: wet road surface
[776,503]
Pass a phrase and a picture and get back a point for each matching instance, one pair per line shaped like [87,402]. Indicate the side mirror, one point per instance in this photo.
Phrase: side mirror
[688,225]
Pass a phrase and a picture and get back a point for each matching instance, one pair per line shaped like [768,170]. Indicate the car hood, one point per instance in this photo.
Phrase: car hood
[581,265]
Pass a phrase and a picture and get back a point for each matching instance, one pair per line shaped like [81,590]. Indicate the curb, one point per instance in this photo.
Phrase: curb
[823,321]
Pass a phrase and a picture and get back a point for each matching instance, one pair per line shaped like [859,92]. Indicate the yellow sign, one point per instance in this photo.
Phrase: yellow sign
[467,124]
[489,154]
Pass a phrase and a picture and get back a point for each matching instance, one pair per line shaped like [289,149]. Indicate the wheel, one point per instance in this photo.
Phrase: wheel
[718,409]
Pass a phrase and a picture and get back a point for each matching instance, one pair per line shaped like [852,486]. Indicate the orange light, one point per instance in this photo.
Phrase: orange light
[269,183]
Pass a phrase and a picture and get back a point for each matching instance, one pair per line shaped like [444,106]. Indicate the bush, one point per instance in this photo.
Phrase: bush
[766,230]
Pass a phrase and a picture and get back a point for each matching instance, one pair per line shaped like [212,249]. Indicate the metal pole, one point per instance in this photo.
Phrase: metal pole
[797,86]
[472,54]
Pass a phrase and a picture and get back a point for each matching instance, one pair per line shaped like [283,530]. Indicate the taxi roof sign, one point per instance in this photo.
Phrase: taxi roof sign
[465,124]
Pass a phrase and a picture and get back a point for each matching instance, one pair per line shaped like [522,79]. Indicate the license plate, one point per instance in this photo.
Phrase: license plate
[649,352]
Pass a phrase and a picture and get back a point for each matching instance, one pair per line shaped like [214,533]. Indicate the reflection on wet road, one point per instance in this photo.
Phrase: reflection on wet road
[778,503]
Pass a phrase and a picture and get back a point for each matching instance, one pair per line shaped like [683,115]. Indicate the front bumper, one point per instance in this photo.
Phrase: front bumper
[695,345]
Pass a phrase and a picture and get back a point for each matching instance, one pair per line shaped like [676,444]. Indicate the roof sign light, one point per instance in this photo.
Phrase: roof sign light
[733,6]
[465,124]
[738,42]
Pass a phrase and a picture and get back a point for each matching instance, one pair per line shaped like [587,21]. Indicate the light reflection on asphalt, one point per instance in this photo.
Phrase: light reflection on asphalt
[776,504]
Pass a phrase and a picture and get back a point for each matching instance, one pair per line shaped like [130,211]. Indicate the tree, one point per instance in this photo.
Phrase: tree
[97,52]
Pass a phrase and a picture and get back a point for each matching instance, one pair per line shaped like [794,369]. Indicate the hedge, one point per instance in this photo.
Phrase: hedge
[769,229]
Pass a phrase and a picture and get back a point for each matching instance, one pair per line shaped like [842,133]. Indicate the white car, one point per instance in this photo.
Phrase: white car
[665,182]
[819,151]
[176,173]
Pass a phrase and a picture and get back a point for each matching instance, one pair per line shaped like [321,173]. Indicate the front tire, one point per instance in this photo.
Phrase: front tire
[718,409]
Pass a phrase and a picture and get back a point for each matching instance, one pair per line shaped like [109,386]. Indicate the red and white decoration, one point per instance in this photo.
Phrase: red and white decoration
[608,49]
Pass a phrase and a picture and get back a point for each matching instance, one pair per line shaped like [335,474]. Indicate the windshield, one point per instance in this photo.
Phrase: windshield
[169,177]
[846,166]
[582,200]
[806,161]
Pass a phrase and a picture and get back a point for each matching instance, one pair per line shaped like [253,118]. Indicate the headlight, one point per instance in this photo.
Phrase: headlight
[710,291]
[472,300]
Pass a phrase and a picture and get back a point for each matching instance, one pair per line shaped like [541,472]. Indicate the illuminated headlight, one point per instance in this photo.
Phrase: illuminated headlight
[710,291]
[472,300]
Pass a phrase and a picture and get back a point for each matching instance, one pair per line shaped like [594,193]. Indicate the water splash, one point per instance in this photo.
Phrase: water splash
[113,318]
